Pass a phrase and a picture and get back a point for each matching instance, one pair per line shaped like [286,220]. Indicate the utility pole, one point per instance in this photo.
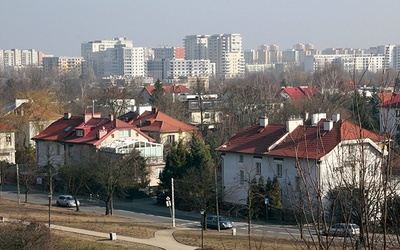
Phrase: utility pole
[173,202]
[18,189]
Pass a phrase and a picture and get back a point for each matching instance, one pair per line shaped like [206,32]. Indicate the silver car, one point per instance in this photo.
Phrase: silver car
[66,200]
[342,229]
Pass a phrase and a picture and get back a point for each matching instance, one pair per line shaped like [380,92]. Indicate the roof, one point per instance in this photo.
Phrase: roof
[389,100]
[64,130]
[168,89]
[302,92]
[157,121]
[306,141]
[5,127]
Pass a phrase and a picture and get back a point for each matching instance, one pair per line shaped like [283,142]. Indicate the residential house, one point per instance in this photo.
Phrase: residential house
[173,90]
[164,128]
[7,143]
[389,113]
[314,158]
[203,109]
[74,139]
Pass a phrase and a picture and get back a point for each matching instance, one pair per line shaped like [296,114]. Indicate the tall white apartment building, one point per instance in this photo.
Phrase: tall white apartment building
[188,68]
[347,62]
[13,58]
[63,65]
[225,50]
[124,61]
[93,53]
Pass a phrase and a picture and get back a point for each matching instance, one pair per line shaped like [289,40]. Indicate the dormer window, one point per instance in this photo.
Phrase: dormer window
[79,132]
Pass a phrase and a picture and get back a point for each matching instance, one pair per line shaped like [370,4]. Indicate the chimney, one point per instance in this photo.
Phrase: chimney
[328,125]
[336,117]
[316,118]
[67,116]
[101,132]
[292,124]
[87,117]
[155,110]
[263,121]
[111,116]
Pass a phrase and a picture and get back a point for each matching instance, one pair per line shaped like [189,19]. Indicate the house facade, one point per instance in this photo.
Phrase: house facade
[7,143]
[75,139]
[307,160]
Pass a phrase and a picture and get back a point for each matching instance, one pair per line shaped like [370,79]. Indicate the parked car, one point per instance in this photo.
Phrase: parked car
[224,223]
[66,200]
[342,229]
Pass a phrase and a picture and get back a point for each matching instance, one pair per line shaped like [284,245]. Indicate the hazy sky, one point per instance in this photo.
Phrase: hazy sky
[59,27]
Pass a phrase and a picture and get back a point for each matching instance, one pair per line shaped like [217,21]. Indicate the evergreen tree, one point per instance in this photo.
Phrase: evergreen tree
[175,164]
[274,193]
[157,95]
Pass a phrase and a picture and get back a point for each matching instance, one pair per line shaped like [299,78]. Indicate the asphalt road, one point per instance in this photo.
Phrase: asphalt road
[147,210]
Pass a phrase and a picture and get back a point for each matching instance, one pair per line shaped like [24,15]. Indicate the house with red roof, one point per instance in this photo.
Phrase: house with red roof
[74,139]
[7,143]
[389,113]
[306,159]
[164,128]
[173,90]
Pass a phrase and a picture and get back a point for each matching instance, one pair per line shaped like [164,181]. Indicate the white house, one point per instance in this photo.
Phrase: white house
[312,159]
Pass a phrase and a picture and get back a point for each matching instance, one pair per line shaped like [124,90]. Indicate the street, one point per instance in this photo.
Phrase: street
[146,210]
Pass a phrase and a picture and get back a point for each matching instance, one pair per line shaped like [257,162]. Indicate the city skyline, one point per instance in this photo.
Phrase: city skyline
[59,28]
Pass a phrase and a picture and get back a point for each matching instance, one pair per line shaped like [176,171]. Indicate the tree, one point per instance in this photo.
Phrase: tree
[112,172]
[75,178]
[157,97]
[273,191]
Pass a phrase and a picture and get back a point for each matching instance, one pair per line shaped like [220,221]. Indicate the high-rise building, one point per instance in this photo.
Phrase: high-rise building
[62,65]
[15,58]
[93,53]
[157,67]
[124,61]
[225,50]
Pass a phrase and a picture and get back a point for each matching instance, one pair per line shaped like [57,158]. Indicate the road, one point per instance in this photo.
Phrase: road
[148,211]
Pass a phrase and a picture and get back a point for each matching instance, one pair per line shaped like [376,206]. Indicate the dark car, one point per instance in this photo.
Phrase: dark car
[342,229]
[224,223]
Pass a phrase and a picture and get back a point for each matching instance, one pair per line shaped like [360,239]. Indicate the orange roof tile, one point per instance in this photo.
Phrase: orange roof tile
[157,121]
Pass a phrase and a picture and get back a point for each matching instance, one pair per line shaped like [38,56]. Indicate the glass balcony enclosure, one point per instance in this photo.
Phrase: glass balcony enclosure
[153,152]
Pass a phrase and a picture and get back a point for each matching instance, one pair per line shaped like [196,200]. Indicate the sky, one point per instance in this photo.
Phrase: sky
[59,27]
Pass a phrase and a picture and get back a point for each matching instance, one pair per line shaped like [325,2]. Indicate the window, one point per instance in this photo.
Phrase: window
[258,168]
[158,173]
[124,133]
[79,132]
[279,170]
[398,113]
[171,138]
[8,138]
[241,176]
[241,158]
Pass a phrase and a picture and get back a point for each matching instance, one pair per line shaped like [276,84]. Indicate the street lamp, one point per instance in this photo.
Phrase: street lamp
[202,228]
[49,208]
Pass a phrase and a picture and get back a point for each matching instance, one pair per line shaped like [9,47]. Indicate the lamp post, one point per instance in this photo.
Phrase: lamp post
[49,208]
[202,228]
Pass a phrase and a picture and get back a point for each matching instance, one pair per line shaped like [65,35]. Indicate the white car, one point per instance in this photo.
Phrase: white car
[342,229]
[66,200]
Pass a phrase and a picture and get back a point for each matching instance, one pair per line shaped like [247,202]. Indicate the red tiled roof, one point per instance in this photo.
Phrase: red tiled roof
[157,121]
[389,100]
[305,141]
[64,130]
[5,127]
[168,89]
[302,92]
